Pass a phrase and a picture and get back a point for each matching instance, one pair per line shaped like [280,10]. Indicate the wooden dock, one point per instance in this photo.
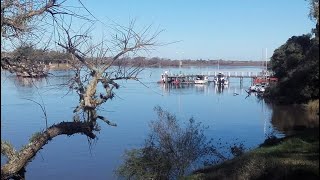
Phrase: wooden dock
[189,78]
[228,74]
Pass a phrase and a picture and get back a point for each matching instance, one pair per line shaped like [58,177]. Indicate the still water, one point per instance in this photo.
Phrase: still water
[228,116]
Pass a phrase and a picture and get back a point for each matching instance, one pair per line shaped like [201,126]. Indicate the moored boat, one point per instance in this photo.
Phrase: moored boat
[201,79]
[220,79]
[258,87]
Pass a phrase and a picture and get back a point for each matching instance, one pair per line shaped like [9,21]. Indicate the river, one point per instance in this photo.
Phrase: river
[229,113]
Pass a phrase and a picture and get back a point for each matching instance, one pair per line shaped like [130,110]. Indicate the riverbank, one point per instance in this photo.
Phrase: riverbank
[65,66]
[292,157]
[60,66]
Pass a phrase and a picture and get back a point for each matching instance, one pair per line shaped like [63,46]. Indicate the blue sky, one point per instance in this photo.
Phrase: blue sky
[212,29]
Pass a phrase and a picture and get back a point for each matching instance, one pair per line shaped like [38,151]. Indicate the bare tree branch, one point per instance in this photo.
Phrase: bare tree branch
[90,63]
[18,160]
[15,14]
[8,150]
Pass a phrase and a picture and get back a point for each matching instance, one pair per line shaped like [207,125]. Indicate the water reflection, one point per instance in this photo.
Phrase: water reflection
[29,82]
[227,115]
[289,119]
[195,88]
[29,87]
[220,88]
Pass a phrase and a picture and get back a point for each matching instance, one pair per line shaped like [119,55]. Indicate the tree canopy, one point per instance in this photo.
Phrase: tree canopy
[296,64]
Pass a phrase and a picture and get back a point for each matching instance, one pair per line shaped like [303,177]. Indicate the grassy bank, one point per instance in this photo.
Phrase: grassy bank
[294,157]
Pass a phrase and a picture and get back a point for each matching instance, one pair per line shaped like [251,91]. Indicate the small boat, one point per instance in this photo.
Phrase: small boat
[201,79]
[258,87]
[220,79]
[164,78]
[254,88]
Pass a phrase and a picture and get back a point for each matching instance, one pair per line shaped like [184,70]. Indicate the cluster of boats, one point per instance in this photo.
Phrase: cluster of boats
[219,79]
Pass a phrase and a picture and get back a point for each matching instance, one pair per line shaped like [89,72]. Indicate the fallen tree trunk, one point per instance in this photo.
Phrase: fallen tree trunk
[18,160]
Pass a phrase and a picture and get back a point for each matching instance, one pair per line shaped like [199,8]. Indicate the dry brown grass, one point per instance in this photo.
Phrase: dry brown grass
[313,107]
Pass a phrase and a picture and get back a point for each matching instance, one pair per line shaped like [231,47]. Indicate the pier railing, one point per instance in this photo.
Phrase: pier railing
[229,74]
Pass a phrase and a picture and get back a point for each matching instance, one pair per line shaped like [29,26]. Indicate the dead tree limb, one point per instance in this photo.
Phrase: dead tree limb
[124,41]
[18,160]
[16,14]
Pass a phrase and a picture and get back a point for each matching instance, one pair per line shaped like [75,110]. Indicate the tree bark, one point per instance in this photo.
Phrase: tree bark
[19,161]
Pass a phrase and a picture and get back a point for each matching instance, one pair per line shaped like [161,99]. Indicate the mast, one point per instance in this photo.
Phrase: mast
[266,60]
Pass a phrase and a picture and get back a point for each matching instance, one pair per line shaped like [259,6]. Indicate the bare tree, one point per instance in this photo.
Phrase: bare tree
[91,75]
[17,19]
[32,22]
[17,14]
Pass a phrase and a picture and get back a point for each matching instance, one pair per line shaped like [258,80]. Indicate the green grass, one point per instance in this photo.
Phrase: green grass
[294,157]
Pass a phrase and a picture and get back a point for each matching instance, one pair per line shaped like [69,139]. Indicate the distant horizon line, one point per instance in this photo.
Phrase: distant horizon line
[4,53]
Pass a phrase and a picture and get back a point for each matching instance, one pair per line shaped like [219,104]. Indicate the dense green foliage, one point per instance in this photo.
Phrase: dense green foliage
[296,64]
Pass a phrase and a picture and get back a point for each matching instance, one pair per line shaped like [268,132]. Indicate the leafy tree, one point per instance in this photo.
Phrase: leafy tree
[296,64]
[288,56]
[169,151]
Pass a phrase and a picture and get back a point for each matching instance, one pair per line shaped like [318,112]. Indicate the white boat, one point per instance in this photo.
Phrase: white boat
[164,78]
[261,89]
[255,87]
[258,87]
[220,79]
[201,80]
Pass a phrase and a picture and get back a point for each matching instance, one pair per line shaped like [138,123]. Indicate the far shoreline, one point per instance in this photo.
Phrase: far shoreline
[66,66]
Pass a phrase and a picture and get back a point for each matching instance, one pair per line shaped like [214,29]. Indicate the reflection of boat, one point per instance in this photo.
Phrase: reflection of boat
[184,88]
[220,79]
[201,87]
[220,88]
[201,80]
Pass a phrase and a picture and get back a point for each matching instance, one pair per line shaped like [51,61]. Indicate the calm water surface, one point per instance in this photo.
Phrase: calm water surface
[229,117]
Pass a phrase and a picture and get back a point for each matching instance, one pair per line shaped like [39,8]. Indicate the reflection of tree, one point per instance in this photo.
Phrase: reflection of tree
[290,118]
[28,82]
